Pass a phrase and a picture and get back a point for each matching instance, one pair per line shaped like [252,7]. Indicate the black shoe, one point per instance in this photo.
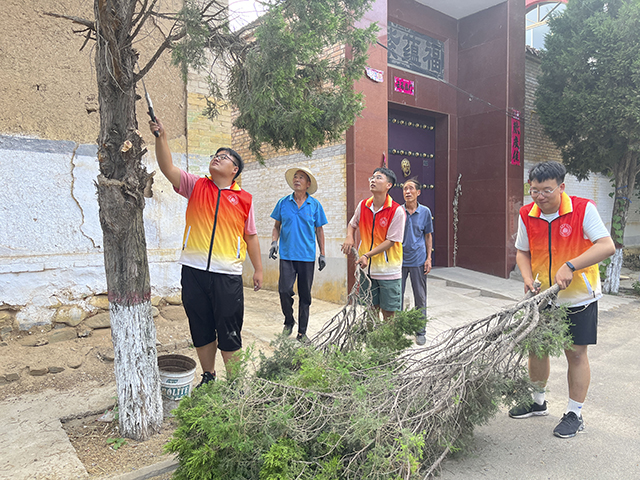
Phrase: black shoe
[532,410]
[569,426]
[287,330]
[302,338]
[206,378]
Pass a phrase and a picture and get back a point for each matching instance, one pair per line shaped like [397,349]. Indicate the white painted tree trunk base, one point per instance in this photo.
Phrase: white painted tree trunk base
[136,369]
[612,281]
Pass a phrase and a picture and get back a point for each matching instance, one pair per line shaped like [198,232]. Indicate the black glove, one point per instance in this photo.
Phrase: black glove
[273,251]
[321,262]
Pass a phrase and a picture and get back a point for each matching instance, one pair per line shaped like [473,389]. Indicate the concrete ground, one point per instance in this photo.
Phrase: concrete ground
[33,444]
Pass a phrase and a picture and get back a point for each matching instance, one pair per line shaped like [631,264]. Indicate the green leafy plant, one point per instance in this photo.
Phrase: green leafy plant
[636,287]
[116,443]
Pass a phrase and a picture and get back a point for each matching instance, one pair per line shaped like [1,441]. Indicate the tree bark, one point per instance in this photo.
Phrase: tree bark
[121,185]
[625,175]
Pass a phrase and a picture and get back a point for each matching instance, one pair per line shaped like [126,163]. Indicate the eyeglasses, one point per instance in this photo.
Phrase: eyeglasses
[223,156]
[377,177]
[542,193]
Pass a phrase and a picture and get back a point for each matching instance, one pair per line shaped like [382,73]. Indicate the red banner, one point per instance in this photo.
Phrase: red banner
[516,144]
[403,85]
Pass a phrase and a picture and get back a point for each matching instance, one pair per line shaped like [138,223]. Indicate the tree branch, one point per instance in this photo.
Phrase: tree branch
[81,21]
[144,17]
[165,45]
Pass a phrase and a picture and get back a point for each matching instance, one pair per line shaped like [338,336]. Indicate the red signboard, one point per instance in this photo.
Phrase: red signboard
[515,138]
[403,85]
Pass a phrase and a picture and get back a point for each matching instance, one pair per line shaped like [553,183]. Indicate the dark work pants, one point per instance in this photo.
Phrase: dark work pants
[289,270]
[419,287]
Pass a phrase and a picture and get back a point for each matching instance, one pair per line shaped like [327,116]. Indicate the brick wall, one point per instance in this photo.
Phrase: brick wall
[537,146]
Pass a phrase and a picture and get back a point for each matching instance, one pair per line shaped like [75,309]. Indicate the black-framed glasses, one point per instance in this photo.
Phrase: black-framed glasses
[224,156]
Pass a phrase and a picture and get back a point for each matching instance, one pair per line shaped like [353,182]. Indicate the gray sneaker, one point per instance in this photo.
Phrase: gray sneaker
[531,410]
[420,339]
[569,426]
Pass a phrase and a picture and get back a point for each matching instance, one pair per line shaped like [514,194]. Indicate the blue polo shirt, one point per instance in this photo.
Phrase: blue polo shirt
[298,229]
[418,224]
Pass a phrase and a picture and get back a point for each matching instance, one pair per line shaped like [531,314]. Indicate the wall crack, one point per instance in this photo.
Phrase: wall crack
[73,180]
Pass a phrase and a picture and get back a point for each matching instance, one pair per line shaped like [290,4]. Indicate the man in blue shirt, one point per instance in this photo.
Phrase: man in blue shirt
[416,249]
[298,224]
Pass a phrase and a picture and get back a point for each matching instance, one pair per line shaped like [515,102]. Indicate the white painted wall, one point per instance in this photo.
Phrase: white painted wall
[50,235]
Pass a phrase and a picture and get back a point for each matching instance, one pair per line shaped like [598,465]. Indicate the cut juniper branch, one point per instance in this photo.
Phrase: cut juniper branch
[363,408]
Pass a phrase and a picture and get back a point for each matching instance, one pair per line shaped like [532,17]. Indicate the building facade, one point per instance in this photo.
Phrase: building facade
[446,80]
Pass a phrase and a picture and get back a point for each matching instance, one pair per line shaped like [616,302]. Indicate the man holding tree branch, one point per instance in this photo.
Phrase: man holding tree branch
[560,240]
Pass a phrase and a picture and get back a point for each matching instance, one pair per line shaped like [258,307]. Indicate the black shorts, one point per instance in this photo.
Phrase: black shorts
[214,303]
[583,324]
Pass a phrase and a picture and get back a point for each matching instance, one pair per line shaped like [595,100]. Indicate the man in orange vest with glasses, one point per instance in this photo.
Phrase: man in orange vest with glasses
[561,239]
[380,221]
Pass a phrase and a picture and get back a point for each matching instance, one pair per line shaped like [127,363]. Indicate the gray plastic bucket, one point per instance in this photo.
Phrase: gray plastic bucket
[176,375]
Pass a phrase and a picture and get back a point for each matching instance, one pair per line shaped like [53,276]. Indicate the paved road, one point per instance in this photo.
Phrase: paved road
[608,448]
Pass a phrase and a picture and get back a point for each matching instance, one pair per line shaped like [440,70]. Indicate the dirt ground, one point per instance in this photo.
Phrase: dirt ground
[90,359]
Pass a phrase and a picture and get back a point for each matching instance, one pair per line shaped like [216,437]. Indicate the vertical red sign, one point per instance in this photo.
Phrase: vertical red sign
[515,138]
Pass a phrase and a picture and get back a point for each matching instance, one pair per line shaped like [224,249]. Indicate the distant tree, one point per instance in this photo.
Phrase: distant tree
[287,91]
[588,99]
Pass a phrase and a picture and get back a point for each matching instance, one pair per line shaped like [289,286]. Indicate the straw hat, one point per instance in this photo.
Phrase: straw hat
[292,171]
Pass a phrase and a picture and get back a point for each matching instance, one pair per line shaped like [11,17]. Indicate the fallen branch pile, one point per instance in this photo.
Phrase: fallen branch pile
[342,409]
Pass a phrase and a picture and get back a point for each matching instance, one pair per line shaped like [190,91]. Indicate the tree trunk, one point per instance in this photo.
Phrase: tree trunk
[121,184]
[625,175]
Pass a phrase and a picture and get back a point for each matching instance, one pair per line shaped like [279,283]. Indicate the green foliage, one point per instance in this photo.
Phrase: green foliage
[617,222]
[391,336]
[191,51]
[551,337]
[291,75]
[313,414]
[587,95]
[116,443]
[602,268]
[277,461]
[636,287]
[289,90]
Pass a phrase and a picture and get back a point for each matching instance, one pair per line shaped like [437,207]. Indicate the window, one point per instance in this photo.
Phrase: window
[536,22]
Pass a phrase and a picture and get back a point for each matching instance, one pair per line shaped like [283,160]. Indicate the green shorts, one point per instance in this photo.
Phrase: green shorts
[386,294]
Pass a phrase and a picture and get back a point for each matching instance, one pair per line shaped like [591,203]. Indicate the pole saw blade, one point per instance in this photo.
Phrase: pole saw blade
[150,111]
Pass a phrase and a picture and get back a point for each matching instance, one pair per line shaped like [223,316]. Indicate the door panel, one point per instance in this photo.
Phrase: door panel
[411,155]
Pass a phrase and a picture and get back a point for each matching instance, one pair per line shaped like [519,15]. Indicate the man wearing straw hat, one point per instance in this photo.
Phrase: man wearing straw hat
[298,225]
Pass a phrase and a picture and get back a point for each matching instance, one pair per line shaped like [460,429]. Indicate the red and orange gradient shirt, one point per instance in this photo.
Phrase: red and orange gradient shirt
[552,243]
[216,223]
[376,227]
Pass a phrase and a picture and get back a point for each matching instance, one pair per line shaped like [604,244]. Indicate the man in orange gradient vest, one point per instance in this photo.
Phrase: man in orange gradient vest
[380,222]
[560,240]
[220,230]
